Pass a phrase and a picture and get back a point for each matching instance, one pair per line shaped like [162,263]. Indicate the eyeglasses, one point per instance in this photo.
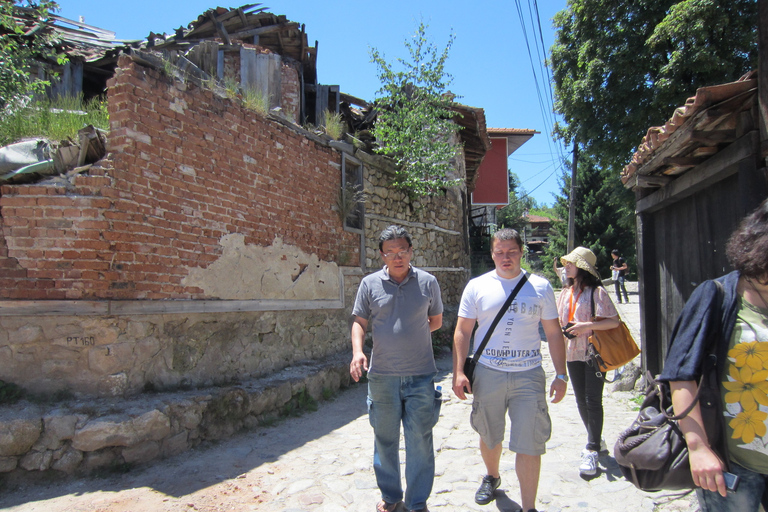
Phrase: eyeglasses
[393,255]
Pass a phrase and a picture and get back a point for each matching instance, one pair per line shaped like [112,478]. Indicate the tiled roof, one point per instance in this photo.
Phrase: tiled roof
[694,132]
[510,131]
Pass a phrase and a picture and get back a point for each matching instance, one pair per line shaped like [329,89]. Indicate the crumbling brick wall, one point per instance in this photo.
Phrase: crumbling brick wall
[199,199]
[291,90]
[186,168]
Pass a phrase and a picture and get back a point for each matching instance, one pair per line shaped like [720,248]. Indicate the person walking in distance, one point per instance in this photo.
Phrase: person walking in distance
[509,378]
[402,304]
[619,273]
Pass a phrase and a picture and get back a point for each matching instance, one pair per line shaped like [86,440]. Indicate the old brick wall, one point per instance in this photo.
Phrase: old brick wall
[228,213]
[199,199]
[291,90]
[186,168]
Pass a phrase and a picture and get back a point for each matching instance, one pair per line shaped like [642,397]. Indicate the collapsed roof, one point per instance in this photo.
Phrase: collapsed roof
[93,54]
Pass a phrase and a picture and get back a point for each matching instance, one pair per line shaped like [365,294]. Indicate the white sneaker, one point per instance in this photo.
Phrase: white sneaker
[603,446]
[588,465]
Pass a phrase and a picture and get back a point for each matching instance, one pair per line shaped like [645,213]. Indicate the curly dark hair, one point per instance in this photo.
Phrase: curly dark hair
[747,249]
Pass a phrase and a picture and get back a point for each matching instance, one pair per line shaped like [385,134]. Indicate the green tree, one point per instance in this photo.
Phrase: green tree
[414,125]
[24,39]
[520,203]
[604,217]
[621,66]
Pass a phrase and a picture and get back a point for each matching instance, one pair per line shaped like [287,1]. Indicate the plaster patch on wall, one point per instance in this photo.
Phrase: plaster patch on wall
[278,271]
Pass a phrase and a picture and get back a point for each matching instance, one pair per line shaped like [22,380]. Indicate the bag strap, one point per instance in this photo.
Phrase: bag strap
[662,394]
[496,320]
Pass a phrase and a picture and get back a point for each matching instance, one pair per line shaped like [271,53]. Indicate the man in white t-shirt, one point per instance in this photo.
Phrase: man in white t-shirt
[509,378]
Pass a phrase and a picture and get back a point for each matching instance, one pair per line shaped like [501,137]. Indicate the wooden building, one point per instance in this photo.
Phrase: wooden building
[695,178]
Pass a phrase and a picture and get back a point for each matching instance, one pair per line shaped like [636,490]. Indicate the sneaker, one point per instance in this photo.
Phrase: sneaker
[603,446]
[588,465]
[484,494]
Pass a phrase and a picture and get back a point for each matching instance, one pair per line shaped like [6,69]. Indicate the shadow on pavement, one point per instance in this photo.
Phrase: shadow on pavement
[208,464]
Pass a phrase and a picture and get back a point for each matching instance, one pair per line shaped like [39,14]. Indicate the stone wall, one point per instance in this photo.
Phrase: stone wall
[123,355]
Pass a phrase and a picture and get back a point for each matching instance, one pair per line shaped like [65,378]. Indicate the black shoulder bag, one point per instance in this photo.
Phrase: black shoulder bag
[652,453]
[471,362]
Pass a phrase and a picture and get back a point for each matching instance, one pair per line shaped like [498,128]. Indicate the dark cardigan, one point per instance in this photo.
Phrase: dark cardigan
[695,326]
[699,345]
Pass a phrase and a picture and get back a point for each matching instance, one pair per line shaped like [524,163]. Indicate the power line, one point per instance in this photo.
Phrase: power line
[543,88]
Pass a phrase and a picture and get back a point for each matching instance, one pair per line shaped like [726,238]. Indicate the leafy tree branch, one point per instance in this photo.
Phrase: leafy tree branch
[414,125]
[24,39]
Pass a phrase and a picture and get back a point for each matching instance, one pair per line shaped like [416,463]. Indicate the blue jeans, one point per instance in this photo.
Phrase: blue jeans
[414,402]
[745,499]
[619,286]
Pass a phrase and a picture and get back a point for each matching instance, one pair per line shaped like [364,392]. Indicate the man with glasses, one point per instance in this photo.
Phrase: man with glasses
[403,306]
[509,378]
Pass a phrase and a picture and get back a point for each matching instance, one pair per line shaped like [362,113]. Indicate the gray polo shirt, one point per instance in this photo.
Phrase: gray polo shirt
[397,315]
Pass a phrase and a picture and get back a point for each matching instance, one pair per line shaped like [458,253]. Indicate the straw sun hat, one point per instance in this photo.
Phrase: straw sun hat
[582,258]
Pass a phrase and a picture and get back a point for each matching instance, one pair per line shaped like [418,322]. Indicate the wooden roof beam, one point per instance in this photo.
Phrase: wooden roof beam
[264,30]
[714,136]
[219,28]
[682,161]
[640,181]
[242,17]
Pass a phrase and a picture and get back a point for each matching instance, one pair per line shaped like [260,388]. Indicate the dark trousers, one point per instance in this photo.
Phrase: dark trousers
[588,389]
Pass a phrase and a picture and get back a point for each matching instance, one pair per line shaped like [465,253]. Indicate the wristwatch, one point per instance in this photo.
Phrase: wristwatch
[563,377]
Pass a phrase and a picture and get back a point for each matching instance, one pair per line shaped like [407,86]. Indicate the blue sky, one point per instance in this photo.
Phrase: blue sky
[489,60]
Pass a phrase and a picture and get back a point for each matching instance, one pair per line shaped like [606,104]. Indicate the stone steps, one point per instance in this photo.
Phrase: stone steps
[79,436]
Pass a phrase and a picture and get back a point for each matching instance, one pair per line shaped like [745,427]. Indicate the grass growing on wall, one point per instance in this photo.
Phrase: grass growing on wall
[52,119]
[256,100]
[334,124]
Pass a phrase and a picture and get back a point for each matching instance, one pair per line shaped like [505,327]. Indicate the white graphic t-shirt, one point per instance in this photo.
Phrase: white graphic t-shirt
[515,344]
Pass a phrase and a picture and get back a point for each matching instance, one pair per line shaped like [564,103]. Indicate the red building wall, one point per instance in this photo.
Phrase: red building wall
[492,185]
[185,167]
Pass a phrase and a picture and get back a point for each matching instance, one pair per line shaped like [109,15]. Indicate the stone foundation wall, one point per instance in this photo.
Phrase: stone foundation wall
[78,437]
[121,356]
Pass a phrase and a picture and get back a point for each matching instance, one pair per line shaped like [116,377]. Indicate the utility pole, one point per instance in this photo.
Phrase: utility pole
[572,206]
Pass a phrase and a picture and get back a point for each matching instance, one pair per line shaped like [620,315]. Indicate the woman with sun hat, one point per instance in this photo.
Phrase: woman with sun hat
[574,306]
